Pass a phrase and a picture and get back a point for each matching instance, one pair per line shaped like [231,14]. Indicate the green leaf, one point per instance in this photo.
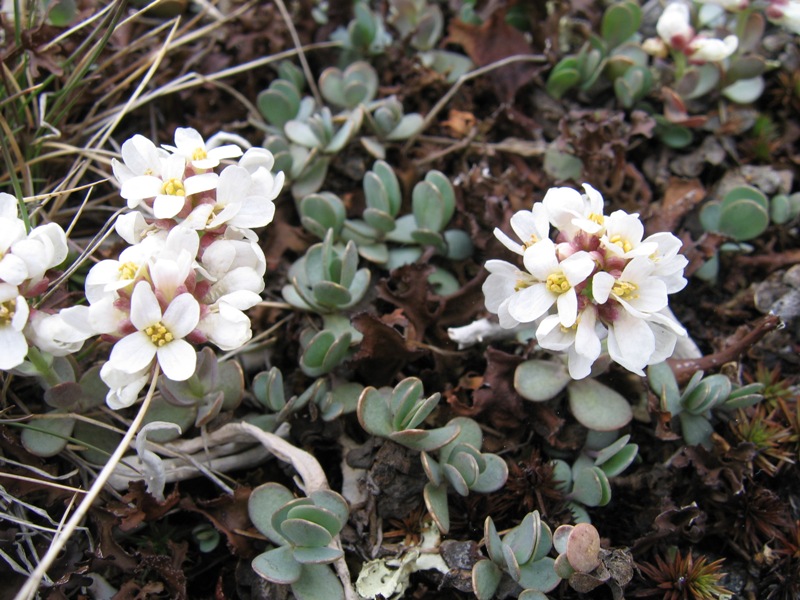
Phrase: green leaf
[485,578]
[425,440]
[317,582]
[620,22]
[317,555]
[262,505]
[696,430]
[620,461]
[583,548]
[598,407]
[587,488]
[538,577]
[563,77]
[494,475]
[435,497]
[303,533]
[373,412]
[47,437]
[540,380]
[277,565]
[743,219]
[318,516]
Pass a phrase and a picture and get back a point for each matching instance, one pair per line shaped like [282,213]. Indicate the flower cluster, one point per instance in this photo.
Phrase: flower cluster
[597,278]
[25,258]
[193,264]
[675,29]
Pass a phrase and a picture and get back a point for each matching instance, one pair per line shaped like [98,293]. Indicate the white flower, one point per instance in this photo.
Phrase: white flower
[13,268]
[785,13]
[631,342]
[553,282]
[581,341]
[140,156]
[54,335]
[623,235]
[259,163]
[530,227]
[669,265]
[168,186]
[158,335]
[706,49]
[14,313]
[225,325]
[190,145]
[500,287]
[123,388]
[636,289]
[674,25]
[236,204]
[229,253]
[571,212]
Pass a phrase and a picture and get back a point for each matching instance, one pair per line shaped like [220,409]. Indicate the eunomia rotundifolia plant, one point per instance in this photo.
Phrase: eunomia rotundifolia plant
[461,466]
[303,531]
[520,554]
[691,410]
[599,279]
[383,237]
[397,414]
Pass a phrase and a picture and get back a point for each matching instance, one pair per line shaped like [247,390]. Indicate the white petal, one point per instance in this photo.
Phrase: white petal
[551,336]
[630,342]
[540,259]
[140,187]
[507,241]
[531,303]
[13,348]
[177,359]
[9,206]
[13,269]
[182,315]
[166,206]
[132,353]
[602,283]
[577,267]
[145,310]
[567,304]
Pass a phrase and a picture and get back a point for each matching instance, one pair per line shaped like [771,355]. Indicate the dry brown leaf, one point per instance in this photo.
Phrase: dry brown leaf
[492,41]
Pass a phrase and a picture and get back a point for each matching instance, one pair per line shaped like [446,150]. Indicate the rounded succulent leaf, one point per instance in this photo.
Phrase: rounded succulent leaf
[373,412]
[539,575]
[318,516]
[583,548]
[493,476]
[620,461]
[455,479]
[562,567]
[316,555]
[590,487]
[511,565]
[49,436]
[264,502]
[424,440]
[317,581]
[540,380]
[435,497]
[334,503]
[277,565]
[485,578]
[695,429]
[531,594]
[300,532]
[524,538]
[598,407]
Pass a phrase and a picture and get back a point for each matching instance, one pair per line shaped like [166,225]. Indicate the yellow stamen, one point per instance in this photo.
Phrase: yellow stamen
[128,270]
[533,239]
[521,285]
[159,334]
[599,219]
[173,187]
[557,283]
[624,244]
[625,290]
[7,311]
[199,154]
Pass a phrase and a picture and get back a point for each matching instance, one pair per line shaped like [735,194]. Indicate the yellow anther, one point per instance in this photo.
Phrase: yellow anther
[173,187]
[521,284]
[199,154]
[557,283]
[599,219]
[7,311]
[533,239]
[128,270]
[625,290]
[624,244]
[159,334]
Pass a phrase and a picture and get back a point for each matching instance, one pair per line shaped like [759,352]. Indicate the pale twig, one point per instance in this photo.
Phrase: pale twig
[464,79]
[312,83]
[28,591]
